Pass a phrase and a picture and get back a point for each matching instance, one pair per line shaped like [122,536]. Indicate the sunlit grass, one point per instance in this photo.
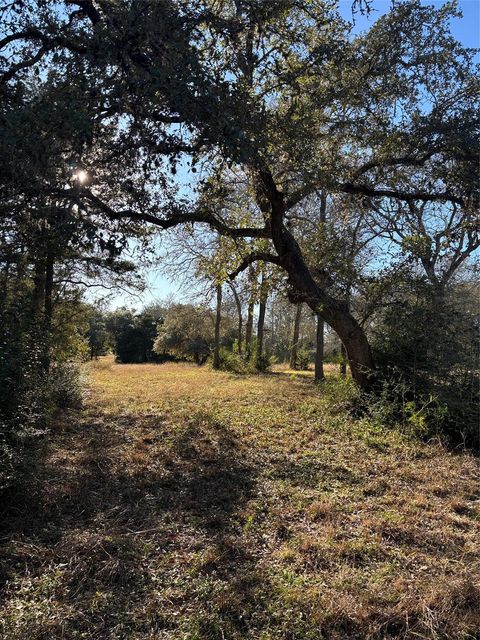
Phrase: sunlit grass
[189,504]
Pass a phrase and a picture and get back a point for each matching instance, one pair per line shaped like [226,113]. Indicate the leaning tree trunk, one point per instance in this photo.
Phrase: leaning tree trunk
[319,373]
[261,322]
[296,336]
[305,289]
[218,320]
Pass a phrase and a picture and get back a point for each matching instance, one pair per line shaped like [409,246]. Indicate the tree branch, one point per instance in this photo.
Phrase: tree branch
[363,189]
[88,9]
[406,161]
[254,257]
[174,219]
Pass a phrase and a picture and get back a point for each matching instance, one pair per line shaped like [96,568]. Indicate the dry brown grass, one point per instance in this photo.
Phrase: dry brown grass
[188,504]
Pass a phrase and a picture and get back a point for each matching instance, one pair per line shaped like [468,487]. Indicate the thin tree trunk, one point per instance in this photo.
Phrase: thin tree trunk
[240,317]
[343,350]
[218,320]
[249,331]
[319,373]
[261,322]
[296,335]
[38,295]
[320,337]
[272,325]
[48,306]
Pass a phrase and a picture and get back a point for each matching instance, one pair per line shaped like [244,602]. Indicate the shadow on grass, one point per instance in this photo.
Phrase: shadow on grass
[126,529]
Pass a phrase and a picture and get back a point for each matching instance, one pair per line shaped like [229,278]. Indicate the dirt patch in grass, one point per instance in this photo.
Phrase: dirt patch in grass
[188,504]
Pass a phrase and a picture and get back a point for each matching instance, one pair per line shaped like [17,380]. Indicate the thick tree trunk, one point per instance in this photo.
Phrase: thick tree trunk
[319,373]
[240,316]
[249,331]
[343,361]
[439,296]
[296,336]
[305,289]
[261,322]
[334,312]
[218,320]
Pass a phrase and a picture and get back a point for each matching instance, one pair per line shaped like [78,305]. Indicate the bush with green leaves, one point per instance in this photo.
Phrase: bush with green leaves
[232,361]
[303,359]
[428,352]
[35,379]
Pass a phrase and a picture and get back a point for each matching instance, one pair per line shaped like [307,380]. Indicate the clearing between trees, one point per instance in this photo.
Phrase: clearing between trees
[184,503]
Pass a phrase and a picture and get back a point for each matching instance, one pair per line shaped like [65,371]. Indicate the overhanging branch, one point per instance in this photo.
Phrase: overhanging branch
[173,219]
[406,196]
[255,256]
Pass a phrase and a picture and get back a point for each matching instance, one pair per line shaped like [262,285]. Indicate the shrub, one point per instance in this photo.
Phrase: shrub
[428,364]
[263,362]
[66,386]
[235,363]
[30,395]
[303,359]
[394,403]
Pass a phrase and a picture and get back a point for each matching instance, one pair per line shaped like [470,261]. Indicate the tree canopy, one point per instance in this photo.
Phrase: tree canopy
[282,99]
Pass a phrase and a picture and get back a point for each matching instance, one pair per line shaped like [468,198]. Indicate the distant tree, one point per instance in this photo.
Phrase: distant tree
[98,336]
[134,334]
[442,238]
[188,332]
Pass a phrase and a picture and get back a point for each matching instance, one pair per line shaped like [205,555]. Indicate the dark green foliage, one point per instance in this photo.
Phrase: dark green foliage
[134,334]
[263,362]
[303,358]
[98,335]
[428,351]
[235,363]
[31,393]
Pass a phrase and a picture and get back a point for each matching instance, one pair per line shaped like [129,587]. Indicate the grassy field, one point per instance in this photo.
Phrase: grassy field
[184,504]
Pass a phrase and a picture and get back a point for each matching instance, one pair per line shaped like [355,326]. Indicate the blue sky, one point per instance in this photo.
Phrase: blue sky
[465,29]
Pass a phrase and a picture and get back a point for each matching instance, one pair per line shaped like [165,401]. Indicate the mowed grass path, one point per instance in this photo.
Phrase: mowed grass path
[185,504]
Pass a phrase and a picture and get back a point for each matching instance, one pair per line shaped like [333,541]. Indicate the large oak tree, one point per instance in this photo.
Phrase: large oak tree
[281,92]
